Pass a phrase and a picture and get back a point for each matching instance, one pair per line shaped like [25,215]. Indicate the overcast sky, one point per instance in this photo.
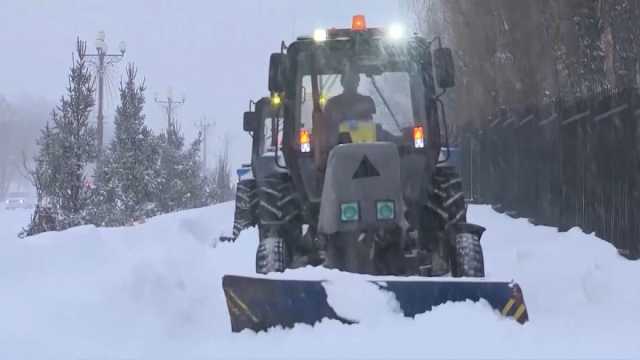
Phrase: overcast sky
[214,52]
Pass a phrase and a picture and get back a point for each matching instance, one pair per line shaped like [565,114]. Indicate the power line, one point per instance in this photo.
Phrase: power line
[169,104]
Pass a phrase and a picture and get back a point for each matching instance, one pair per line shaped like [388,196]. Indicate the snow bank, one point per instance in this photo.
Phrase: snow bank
[153,291]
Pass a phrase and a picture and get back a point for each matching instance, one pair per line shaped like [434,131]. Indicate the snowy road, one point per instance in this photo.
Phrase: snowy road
[153,291]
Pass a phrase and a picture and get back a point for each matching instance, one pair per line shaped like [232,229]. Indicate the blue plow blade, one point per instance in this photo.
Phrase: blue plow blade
[260,303]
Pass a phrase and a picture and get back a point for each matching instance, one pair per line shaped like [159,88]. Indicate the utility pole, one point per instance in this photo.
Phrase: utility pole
[170,105]
[204,129]
[101,60]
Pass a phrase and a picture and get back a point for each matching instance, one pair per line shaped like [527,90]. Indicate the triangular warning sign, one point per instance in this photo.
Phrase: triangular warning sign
[365,169]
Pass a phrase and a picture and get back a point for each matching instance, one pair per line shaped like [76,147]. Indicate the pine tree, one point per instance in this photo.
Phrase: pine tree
[66,149]
[76,141]
[193,181]
[126,181]
[222,188]
[45,180]
[181,184]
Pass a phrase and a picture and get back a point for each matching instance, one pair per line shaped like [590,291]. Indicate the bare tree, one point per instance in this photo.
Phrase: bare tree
[511,53]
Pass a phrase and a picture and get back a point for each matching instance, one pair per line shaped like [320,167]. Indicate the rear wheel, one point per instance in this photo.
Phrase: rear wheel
[469,260]
[454,249]
[447,199]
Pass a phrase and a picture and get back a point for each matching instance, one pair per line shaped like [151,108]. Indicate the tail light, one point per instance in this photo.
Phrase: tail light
[418,137]
[305,141]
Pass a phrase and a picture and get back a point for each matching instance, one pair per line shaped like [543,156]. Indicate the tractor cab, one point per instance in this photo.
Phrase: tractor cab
[263,123]
[358,85]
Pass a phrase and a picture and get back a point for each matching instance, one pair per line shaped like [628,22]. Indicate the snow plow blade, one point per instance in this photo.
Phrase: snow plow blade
[259,303]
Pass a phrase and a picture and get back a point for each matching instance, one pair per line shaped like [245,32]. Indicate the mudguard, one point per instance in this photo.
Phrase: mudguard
[260,303]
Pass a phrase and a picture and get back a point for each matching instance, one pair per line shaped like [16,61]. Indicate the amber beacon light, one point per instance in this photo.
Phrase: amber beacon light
[359,23]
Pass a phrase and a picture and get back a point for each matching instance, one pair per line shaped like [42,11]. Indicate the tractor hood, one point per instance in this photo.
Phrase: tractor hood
[362,188]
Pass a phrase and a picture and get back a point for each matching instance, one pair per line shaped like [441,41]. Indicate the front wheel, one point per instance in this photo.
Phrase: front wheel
[271,255]
[469,260]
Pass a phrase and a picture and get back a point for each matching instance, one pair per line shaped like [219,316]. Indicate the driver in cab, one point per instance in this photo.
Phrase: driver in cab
[352,113]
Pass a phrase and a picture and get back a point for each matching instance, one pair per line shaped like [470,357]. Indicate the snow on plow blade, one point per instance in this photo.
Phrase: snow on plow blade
[260,303]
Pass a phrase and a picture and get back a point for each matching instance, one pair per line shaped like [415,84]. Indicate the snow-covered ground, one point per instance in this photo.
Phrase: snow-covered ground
[153,291]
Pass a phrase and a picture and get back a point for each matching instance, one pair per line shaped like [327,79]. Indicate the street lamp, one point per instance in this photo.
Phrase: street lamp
[101,60]
[100,41]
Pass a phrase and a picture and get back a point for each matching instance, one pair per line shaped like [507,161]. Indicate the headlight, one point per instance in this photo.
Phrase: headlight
[396,31]
[349,211]
[320,35]
[385,210]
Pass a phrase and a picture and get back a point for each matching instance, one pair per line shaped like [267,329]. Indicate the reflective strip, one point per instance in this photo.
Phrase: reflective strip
[243,306]
[507,308]
[519,312]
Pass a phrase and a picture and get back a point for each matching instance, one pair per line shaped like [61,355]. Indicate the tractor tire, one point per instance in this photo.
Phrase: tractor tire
[246,206]
[446,207]
[280,223]
[279,203]
[271,256]
[469,260]
[447,199]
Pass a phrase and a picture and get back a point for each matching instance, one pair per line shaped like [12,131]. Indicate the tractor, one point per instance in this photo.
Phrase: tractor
[363,127]
[365,187]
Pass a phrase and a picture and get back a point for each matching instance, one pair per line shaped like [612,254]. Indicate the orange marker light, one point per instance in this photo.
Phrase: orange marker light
[305,141]
[359,23]
[418,137]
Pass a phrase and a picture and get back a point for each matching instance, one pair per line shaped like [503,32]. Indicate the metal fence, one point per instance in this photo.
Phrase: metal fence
[563,165]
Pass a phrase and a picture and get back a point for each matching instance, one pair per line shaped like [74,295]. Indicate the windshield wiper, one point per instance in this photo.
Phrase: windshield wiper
[384,101]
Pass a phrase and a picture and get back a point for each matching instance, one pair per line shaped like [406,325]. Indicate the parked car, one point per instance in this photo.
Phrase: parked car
[18,202]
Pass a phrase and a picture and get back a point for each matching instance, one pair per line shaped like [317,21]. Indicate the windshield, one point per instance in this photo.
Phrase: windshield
[269,138]
[269,132]
[391,96]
